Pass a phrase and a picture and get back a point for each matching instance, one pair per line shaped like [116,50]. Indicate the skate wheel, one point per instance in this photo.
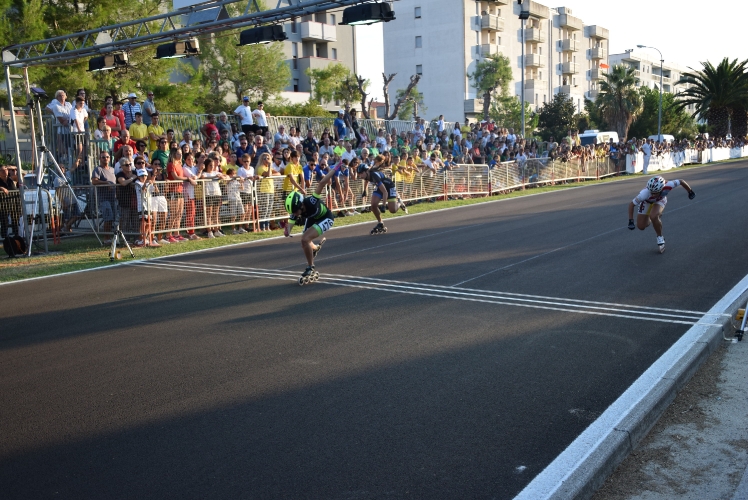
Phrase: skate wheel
[302,281]
[384,229]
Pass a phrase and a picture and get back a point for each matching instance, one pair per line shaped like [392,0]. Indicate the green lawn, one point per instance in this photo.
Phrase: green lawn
[84,252]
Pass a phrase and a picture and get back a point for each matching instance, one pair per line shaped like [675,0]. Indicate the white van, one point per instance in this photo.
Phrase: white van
[665,137]
[597,137]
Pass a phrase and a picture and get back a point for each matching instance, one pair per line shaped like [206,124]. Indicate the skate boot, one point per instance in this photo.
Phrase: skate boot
[379,229]
[318,247]
[309,276]
[661,243]
[400,204]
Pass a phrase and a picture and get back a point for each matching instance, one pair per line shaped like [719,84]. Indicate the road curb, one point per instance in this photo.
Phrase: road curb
[585,465]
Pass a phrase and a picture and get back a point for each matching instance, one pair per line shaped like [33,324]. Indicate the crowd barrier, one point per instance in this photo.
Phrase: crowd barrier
[635,163]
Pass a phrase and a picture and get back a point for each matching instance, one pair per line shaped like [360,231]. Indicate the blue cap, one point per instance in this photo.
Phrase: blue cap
[245,98]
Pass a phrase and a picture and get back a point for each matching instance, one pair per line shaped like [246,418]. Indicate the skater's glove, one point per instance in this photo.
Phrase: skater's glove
[632,226]
[691,195]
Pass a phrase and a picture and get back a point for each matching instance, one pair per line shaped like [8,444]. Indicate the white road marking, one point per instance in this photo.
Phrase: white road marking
[471,295]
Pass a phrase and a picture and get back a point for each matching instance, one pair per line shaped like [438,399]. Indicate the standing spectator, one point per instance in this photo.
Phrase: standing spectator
[260,118]
[212,198]
[175,196]
[112,120]
[161,153]
[294,173]
[259,148]
[266,192]
[149,107]
[155,133]
[223,123]
[10,201]
[190,171]
[440,124]
[79,116]
[138,129]
[130,108]
[281,138]
[125,179]
[339,126]
[310,145]
[107,101]
[244,113]
[355,127]
[159,204]
[210,128]
[82,93]
[246,173]
[61,109]
[104,180]
[646,149]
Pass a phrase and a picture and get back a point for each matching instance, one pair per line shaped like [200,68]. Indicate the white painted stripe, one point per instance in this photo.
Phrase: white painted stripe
[552,478]
[444,294]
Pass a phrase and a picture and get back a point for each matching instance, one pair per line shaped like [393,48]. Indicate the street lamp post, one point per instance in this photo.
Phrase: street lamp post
[659,113]
[524,14]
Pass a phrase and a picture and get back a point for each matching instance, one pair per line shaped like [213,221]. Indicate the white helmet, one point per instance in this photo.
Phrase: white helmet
[655,184]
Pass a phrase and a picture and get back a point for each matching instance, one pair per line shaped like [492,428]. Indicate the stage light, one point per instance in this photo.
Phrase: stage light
[173,50]
[262,34]
[368,13]
[108,61]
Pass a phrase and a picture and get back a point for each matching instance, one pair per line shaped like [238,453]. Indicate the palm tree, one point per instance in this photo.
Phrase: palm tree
[719,94]
[619,101]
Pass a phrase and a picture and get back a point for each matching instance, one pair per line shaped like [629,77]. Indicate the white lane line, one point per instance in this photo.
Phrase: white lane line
[451,290]
[552,478]
[552,306]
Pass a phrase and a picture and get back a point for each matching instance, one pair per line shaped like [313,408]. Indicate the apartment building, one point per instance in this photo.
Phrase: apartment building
[443,40]
[646,65]
[314,42]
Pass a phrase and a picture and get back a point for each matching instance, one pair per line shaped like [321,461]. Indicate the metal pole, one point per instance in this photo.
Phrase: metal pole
[523,78]
[659,115]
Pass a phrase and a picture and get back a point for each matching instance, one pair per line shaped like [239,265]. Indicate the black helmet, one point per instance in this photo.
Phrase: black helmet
[362,168]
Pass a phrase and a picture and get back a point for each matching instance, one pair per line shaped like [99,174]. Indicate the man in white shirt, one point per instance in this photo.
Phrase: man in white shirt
[186,139]
[326,148]
[260,119]
[281,137]
[647,151]
[349,154]
[244,113]
[61,110]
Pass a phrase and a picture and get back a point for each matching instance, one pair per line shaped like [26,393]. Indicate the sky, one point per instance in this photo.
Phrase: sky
[687,32]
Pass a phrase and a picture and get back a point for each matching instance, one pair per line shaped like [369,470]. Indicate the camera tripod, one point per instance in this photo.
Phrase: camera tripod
[116,235]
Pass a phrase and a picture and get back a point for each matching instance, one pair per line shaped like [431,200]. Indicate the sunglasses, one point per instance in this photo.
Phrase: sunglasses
[139,163]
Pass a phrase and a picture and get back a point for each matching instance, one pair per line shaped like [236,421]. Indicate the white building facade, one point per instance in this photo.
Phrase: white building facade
[646,67]
[443,40]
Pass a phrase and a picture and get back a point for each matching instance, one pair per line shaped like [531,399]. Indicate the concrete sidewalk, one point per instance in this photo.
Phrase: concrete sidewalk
[699,448]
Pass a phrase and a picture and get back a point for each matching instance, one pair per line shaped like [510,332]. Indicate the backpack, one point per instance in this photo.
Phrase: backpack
[14,246]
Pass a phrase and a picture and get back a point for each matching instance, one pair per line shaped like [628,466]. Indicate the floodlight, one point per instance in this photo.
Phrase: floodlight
[108,61]
[368,13]
[173,50]
[262,34]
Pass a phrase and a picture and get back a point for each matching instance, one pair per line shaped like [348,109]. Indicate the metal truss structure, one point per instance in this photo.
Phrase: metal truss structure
[200,19]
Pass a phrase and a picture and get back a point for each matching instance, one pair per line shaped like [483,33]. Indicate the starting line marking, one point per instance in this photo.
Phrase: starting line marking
[673,316]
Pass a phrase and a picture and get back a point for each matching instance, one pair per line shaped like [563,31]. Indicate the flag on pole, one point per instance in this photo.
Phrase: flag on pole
[604,66]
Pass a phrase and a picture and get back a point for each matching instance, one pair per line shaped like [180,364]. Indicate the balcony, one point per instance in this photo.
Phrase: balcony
[496,2]
[473,106]
[318,32]
[592,94]
[598,53]
[489,49]
[598,32]
[539,10]
[565,89]
[534,35]
[534,84]
[491,23]
[597,74]
[637,73]
[569,45]
[534,61]
[570,22]
[569,68]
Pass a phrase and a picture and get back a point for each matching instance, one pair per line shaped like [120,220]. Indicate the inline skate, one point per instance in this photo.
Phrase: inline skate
[309,276]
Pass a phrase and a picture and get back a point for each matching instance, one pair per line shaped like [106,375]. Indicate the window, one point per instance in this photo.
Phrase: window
[545,98]
[334,53]
[419,42]
[295,84]
[333,19]
[418,13]
[419,69]
[540,75]
[293,25]
[295,54]
[536,99]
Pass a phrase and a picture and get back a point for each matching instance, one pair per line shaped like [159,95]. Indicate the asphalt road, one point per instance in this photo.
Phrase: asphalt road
[409,371]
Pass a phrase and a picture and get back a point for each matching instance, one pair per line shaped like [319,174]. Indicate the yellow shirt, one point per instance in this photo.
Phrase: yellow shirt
[294,170]
[159,131]
[266,183]
[409,175]
[138,132]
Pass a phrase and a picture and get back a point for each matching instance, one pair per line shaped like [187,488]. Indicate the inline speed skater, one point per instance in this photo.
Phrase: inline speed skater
[650,203]
[384,190]
[316,218]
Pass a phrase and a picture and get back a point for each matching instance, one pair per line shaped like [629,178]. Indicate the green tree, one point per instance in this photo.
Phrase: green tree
[492,74]
[335,83]
[719,94]
[412,103]
[557,116]
[618,100]
[595,118]
[506,110]
[675,120]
